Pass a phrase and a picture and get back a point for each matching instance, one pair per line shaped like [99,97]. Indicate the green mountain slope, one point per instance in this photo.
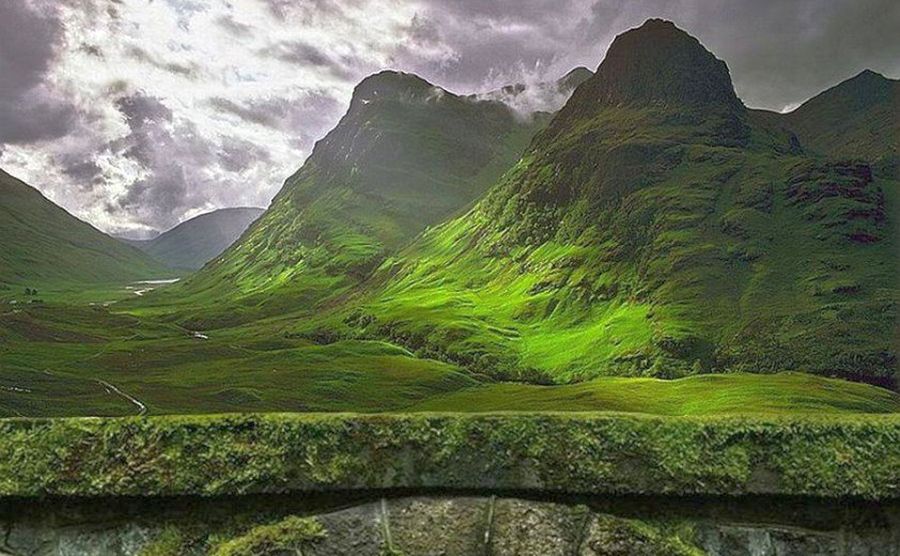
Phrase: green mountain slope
[194,242]
[407,155]
[40,243]
[654,229]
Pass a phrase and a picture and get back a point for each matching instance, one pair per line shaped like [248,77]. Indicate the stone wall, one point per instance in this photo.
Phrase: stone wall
[443,485]
[448,525]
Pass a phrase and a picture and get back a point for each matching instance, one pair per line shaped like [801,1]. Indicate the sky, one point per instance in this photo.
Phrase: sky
[137,114]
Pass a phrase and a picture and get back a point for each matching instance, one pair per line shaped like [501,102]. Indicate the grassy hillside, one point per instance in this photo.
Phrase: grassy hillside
[406,155]
[43,244]
[653,230]
[197,241]
[784,393]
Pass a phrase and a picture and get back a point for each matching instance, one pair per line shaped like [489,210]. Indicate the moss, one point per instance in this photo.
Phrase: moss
[616,536]
[289,534]
[578,453]
[170,542]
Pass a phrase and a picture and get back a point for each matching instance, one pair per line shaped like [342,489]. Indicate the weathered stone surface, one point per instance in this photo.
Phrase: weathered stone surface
[523,527]
[76,540]
[356,531]
[439,527]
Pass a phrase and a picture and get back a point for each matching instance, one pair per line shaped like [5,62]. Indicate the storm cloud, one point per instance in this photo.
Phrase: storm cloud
[30,108]
[136,115]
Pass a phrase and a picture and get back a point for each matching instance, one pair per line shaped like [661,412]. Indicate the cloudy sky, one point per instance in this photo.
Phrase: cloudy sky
[137,114]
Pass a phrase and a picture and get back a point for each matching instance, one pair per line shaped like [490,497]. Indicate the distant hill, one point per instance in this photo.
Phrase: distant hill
[41,243]
[197,241]
[858,118]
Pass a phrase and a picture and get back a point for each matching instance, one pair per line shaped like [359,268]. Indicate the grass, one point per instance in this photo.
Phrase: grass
[60,360]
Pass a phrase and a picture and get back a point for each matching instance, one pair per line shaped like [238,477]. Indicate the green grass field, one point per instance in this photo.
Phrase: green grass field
[84,358]
[780,394]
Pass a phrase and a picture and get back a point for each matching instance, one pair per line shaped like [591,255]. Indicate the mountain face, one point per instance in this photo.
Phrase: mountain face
[42,243]
[859,118]
[654,229]
[407,155]
[194,242]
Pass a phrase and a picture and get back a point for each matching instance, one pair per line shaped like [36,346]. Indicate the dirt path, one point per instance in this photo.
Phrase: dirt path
[141,407]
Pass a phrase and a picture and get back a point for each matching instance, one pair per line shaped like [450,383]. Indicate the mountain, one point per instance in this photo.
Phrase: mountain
[859,118]
[198,240]
[405,156]
[654,228]
[42,243]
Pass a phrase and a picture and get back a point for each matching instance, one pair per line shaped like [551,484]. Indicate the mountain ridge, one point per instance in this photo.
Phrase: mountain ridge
[857,118]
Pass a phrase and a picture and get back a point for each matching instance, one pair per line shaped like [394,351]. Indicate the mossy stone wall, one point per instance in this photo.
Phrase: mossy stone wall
[547,453]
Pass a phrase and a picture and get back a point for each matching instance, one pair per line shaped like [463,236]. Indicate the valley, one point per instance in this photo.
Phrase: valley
[647,249]
[90,358]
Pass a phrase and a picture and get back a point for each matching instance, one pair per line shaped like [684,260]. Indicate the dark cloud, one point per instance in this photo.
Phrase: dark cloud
[487,39]
[175,159]
[30,110]
[190,71]
[233,26]
[303,54]
[183,170]
[92,50]
[262,115]
[303,11]
[303,119]
[236,155]
[84,172]
[140,109]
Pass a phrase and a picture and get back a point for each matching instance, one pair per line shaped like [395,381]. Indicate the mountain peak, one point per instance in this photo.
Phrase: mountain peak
[869,74]
[397,85]
[868,79]
[865,89]
[661,64]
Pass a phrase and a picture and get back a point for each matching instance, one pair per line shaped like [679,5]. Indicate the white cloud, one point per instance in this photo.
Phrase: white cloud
[186,54]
